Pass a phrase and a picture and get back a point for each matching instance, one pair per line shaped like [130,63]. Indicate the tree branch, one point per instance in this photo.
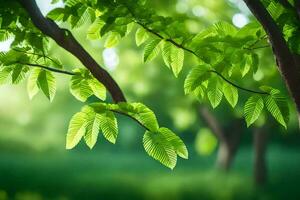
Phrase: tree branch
[66,40]
[286,61]
[297,6]
[212,123]
[194,53]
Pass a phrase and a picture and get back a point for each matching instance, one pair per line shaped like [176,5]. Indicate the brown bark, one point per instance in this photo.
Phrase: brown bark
[260,139]
[229,140]
[288,63]
[65,39]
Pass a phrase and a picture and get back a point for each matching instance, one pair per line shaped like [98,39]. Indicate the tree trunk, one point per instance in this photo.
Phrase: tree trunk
[224,156]
[228,148]
[229,140]
[260,147]
[287,62]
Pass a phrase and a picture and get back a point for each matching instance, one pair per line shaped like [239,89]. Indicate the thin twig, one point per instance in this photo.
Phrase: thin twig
[36,54]
[122,113]
[168,39]
[259,47]
[235,85]
[48,68]
[251,46]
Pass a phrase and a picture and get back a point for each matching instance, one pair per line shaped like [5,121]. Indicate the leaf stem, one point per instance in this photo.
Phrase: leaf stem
[251,46]
[48,68]
[237,86]
[168,39]
[36,54]
[122,113]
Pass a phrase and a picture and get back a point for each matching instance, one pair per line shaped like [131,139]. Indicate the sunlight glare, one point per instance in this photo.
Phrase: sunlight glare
[5,45]
[240,20]
[46,6]
[111,58]
[199,11]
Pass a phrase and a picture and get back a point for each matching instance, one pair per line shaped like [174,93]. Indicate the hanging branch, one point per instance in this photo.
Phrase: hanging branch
[66,40]
[194,53]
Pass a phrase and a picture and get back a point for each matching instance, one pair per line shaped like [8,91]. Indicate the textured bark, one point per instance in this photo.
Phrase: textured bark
[260,139]
[229,140]
[288,63]
[65,39]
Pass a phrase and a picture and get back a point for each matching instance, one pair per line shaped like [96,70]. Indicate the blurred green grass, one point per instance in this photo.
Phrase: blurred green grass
[110,175]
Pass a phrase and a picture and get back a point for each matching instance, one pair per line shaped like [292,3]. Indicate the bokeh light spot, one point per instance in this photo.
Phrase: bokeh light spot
[240,20]
[111,58]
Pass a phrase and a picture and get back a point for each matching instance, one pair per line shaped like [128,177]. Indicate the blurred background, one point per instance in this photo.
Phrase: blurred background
[261,162]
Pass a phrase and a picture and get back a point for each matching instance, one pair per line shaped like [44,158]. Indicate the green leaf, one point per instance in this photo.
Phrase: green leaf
[84,15]
[4,35]
[224,28]
[83,85]
[275,9]
[4,74]
[32,82]
[98,88]
[138,111]
[269,89]
[92,123]
[214,92]
[56,14]
[246,65]
[76,130]
[255,62]
[47,84]
[18,73]
[277,105]
[205,142]
[199,92]
[253,108]
[141,36]
[112,40]
[123,21]
[151,50]
[158,147]
[109,126]
[175,141]
[231,94]
[173,57]
[54,1]
[80,88]
[93,32]
[195,78]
